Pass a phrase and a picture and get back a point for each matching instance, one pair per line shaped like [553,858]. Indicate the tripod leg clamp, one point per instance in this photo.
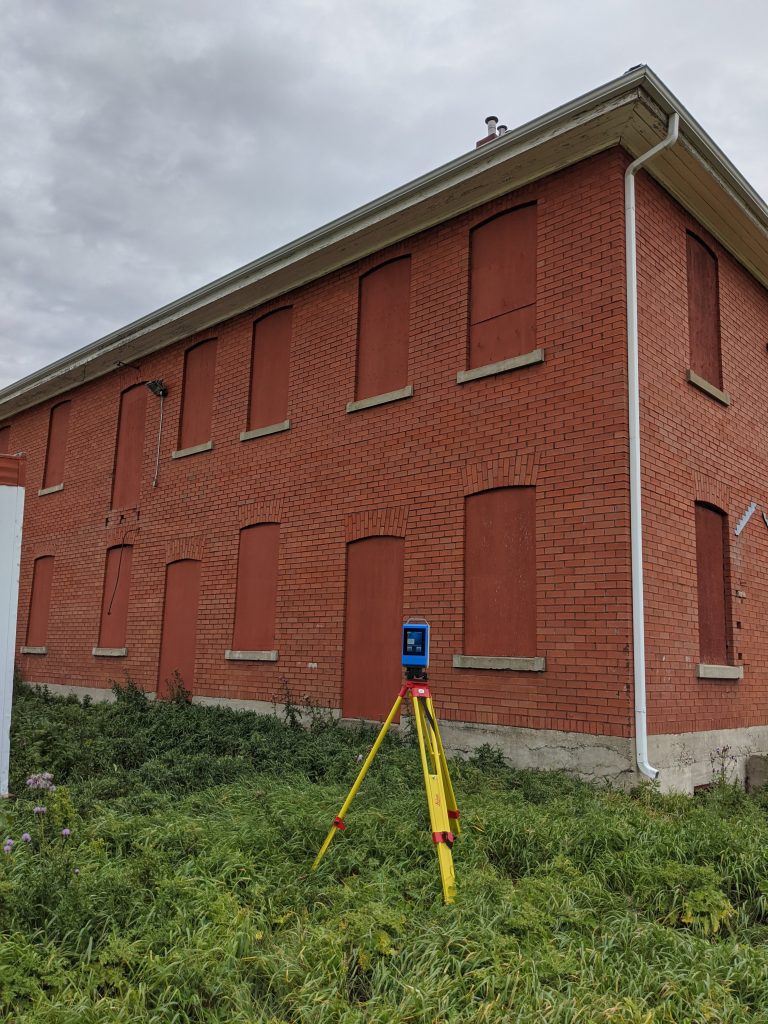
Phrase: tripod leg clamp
[453,814]
[444,837]
[339,823]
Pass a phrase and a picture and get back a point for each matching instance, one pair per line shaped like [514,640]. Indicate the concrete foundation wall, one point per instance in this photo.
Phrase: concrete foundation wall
[593,758]
[687,760]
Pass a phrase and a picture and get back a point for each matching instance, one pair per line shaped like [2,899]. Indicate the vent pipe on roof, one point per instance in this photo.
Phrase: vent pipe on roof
[635,492]
[490,124]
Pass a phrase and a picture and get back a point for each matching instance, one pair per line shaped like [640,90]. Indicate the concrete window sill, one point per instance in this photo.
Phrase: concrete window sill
[251,655]
[109,652]
[50,490]
[726,673]
[274,428]
[390,396]
[34,650]
[504,366]
[497,664]
[709,389]
[182,453]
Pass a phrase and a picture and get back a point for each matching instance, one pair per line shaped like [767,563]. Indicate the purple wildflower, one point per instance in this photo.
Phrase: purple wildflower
[66,833]
[43,780]
[26,837]
[8,846]
[39,810]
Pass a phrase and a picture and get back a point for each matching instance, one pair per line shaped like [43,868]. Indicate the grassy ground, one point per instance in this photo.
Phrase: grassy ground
[184,893]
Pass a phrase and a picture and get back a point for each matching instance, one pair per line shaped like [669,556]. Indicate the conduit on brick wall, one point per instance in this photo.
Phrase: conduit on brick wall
[114,605]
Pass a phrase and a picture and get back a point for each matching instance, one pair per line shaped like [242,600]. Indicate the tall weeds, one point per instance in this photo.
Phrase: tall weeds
[182,892]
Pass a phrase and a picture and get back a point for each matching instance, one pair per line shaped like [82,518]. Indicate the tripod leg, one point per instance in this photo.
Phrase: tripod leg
[338,821]
[436,798]
[453,808]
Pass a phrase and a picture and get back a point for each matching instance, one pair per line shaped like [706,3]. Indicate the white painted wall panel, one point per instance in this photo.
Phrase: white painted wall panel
[11,515]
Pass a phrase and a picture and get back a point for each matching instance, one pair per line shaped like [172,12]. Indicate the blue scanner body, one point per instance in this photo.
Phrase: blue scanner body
[416,644]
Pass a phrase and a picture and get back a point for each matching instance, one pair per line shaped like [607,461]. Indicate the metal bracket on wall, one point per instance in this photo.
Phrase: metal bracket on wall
[745,518]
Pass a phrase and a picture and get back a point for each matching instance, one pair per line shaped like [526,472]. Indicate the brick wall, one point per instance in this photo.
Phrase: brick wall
[560,425]
[695,449]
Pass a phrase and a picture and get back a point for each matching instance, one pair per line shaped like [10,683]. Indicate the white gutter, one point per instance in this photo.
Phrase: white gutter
[618,113]
[635,492]
[401,213]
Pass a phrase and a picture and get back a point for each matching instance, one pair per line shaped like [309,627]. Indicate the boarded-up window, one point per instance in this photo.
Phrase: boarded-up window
[382,344]
[5,440]
[197,403]
[58,427]
[256,596]
[372,632]
[179,638]
[503,287]
[270,366]
[40,602]
[711,576]
[114,603]
[500,573]
[129,449]
[703,312]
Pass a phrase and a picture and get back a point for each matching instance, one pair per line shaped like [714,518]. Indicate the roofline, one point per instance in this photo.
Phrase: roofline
[706,146]
[327,248]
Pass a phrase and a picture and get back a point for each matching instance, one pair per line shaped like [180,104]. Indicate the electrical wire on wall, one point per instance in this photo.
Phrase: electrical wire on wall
[133,529]
[157,387]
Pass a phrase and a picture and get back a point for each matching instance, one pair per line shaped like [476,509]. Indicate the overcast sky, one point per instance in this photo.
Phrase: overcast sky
[150,146]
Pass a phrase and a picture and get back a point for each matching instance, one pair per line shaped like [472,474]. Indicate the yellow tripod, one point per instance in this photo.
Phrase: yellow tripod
[440,795]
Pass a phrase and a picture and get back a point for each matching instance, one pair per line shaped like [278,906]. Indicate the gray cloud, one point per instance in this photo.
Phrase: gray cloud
[149,148]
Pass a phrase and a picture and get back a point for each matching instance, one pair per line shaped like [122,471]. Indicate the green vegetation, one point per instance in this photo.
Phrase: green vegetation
[184,893]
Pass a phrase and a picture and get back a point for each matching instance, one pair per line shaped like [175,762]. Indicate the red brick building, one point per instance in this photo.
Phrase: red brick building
[425,408]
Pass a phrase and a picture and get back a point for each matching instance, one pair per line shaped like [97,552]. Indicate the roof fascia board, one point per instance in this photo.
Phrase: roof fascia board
[630,110]
[708,150]
[703,181]
[126,342]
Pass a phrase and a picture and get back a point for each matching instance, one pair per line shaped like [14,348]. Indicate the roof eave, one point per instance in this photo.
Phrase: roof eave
[630,111]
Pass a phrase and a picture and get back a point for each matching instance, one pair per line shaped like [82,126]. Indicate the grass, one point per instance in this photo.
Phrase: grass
[184,892]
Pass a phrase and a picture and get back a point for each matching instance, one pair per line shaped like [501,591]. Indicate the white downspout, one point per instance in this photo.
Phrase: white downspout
[635,496]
